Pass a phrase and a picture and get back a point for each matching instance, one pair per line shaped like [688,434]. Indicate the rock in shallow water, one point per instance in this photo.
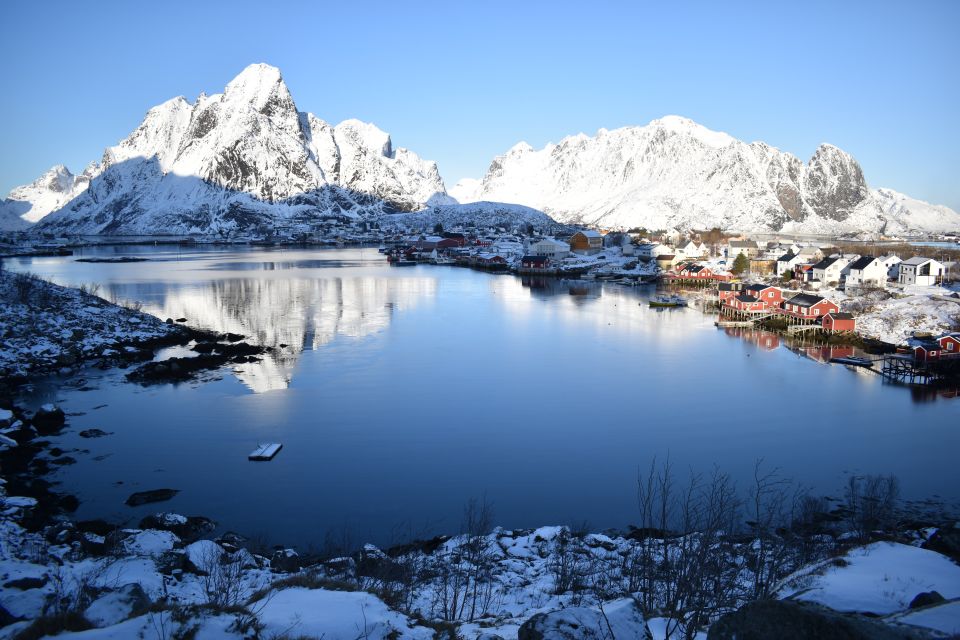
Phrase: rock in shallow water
[154,495]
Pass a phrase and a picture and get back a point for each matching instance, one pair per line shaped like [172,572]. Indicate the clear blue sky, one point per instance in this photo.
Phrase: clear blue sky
[461,82]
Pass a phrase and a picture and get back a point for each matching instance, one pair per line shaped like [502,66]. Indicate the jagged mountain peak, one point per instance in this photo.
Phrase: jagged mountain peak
[674,172]
[231,159]
[260,86]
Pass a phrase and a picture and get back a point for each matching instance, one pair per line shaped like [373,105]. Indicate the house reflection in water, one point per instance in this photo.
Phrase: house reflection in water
[579,291]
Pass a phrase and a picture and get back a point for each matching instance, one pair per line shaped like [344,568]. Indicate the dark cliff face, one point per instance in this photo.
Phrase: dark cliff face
[834,183]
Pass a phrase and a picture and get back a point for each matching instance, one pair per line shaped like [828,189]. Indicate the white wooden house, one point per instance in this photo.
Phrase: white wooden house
[921,271]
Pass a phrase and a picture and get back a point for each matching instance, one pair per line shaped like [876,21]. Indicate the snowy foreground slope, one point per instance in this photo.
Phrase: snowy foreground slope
[676,173]
[232,160]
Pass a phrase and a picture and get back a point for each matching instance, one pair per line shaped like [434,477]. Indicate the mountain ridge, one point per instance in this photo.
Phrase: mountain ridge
[242,159]
[674,172]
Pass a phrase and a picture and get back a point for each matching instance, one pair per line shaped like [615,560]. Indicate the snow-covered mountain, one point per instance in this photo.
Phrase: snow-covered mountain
[231,160]
[676,173]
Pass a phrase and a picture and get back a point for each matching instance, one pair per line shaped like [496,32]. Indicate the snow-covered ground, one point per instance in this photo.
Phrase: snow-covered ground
[150,583]
[45,327]
[894,314]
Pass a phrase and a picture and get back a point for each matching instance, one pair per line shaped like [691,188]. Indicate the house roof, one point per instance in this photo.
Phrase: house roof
[787,257]
[805,300]
[743,244]
[928,345]
[916,261]
[841,315]
[553,242]
[590,233]
[825,263]
[743,297]
[757,287]
[861,263]
[666,256]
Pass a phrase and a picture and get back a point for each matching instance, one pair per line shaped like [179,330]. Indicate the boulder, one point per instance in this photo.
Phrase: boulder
[285,560]
[946,540]
[6,618]
[926,599]
[187,528]
[6,418]
[618,619]
[204,555]
[116,606]
[794,620]
[49,419]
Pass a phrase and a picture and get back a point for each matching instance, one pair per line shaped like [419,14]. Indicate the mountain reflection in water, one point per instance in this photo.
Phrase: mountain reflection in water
[290,314]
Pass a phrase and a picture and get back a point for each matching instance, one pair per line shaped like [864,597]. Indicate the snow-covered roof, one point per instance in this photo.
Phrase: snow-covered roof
[917,261]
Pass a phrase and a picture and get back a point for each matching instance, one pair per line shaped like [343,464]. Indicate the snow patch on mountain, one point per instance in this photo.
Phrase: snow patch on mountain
[674,172]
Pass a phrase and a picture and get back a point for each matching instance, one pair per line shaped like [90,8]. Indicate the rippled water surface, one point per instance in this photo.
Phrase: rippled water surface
[399,393]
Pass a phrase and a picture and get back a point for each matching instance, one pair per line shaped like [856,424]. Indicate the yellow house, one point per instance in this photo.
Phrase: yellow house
[587,241]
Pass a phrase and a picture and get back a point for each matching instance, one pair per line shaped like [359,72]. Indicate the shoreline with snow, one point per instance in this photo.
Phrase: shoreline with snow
[98,580]
[116,581]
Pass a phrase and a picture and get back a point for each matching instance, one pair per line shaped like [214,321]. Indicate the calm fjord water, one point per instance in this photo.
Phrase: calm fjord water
[402,392]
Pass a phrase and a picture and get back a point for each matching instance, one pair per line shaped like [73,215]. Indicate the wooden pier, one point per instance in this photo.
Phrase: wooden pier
[905,369]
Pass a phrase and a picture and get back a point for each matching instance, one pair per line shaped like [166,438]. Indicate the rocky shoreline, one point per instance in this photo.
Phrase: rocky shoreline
[63,576]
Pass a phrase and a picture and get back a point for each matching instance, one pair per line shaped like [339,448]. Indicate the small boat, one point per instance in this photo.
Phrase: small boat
[265,452]
[668,301]
[853,361]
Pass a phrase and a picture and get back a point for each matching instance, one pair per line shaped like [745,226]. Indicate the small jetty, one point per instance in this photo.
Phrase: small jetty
[853,361]
[265,452]
[667,302]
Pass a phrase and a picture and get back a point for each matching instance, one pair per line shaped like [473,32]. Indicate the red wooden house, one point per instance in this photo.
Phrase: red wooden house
[949,343]
[770,296]
[805,306]
[728,290]
[747,303]
[535,262]
[837,322]
[927,351]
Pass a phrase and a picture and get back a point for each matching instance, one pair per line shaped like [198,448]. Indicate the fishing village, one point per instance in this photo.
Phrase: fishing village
[815,293]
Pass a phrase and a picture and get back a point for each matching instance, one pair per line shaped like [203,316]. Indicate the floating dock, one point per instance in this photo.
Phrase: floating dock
[265,452]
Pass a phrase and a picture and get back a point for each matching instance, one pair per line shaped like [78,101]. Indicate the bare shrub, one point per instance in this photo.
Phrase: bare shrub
[465,587]
[222,578]
[871,503]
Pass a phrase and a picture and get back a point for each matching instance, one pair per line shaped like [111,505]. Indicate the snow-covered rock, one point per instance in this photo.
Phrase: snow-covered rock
[618,619]
[150,542]
[880,578]
[116,606]
[335,615]
[232,160]
[676,173]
